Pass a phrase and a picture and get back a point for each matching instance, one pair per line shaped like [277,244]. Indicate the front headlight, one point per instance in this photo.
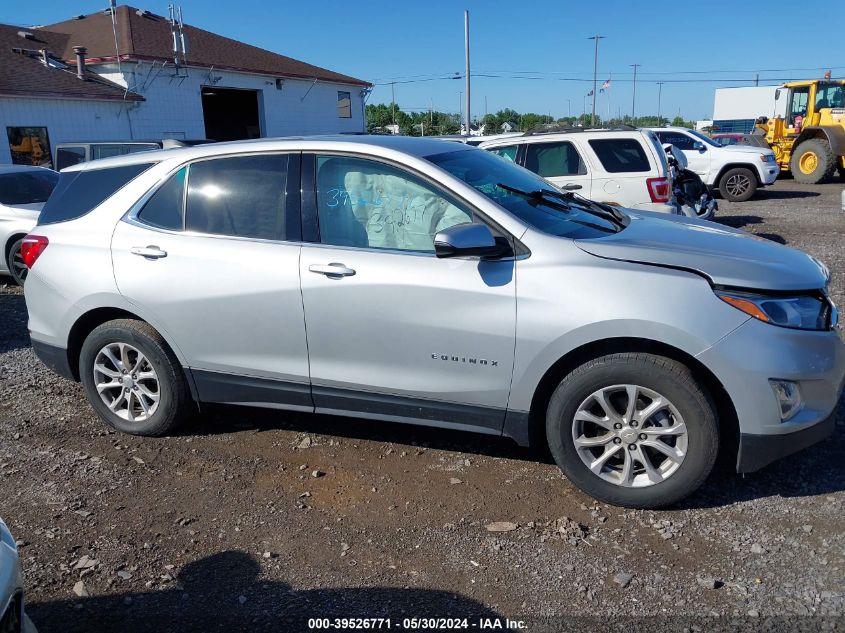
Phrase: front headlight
[767,158]
[802,312]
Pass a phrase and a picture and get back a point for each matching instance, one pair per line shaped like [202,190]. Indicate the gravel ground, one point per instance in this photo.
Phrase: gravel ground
[251,520]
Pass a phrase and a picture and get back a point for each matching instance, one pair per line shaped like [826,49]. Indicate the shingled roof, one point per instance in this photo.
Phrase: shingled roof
[25,75]
[145,36]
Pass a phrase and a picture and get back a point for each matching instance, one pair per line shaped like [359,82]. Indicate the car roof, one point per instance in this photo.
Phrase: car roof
[414,146]
[16,169]
[539,137]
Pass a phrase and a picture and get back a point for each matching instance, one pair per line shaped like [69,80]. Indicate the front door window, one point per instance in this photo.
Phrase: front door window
[367,204]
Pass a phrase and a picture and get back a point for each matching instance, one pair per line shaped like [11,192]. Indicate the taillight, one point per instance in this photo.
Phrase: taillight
[32,247]
[658,189]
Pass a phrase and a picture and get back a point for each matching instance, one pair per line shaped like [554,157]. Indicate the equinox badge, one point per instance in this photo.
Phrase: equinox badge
[465,359]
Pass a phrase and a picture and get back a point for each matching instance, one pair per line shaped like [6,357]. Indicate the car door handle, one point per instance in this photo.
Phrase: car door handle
[148,252]
[332,270]
[571,187]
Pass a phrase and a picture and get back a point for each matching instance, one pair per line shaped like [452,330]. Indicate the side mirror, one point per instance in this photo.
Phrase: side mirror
[699,146]
[777,94]
[467,240]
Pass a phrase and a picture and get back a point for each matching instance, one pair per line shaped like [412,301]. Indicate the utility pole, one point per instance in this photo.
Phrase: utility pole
[634,98]
[569,107]
[466,51]
[659,94]
[595,74]
[392,103]
[460,108]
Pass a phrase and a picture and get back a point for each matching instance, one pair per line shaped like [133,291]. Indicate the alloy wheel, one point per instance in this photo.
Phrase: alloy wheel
[126,381]
[16,266]
[737,185]
[630,436]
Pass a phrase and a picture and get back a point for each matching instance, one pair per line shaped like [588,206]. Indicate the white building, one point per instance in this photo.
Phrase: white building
[212,87]
[735,109]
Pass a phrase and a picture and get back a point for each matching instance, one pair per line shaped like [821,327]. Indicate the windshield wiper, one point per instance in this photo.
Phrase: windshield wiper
[604,210]
[538,194]
[561,199]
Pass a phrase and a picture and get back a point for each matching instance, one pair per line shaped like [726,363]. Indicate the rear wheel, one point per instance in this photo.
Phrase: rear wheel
[132,379]
[14,262]
[812,162]
[738,184]
[634,430]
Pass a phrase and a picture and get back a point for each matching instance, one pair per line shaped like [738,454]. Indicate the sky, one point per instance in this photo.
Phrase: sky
[532,56]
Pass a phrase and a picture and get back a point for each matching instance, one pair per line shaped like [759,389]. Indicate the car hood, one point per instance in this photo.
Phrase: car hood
[746,149]
[726,256]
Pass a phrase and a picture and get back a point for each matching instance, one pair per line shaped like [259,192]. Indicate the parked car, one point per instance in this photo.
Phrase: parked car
[737,171]
[624,167]
[23,191]
[376,277]
[68,154]
[475,140]
[755,140]
[13,618]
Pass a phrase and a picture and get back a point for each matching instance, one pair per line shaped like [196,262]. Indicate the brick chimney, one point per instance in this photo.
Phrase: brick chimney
[80,61]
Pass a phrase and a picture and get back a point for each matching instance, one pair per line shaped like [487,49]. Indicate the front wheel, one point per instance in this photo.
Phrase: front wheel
[14,262]
[634,430]
[812,162]
[738,184]
[132,379]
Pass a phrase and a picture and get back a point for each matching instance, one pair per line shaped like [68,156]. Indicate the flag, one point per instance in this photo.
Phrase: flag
[605,85]
[590,94]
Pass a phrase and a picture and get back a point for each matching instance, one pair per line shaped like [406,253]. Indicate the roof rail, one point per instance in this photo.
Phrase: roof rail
[568,129]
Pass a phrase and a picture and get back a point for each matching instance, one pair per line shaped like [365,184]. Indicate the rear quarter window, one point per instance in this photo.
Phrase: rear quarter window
[620,155]
[78,192]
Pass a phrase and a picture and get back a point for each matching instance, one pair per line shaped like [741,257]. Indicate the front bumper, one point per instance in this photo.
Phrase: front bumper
[745,361]
[757,451]
[769,173]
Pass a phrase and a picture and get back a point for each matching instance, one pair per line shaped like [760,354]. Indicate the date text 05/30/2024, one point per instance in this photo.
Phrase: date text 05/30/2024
[417,624]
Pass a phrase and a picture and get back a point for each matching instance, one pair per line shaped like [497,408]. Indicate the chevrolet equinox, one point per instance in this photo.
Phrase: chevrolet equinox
[415,280]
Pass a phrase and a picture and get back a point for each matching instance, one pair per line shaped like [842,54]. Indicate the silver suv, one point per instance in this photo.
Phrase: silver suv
[421,281]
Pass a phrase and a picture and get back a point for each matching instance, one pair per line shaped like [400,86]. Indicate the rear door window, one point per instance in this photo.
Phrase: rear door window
[68,156]
[164,208]
[241,197]
[620,155]
[551,160]
[27,187]
[507,152]
[79,192]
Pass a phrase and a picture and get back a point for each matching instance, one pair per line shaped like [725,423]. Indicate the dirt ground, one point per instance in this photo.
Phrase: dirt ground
[251,520]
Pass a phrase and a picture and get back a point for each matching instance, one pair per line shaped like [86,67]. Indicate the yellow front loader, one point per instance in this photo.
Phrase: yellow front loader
[810,140]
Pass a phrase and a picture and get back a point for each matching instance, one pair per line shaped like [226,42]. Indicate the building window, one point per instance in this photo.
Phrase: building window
[344,105]
[30,146]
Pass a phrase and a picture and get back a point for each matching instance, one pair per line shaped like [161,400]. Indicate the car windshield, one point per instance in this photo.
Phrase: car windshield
[27,187]
[524,194]
[704,139]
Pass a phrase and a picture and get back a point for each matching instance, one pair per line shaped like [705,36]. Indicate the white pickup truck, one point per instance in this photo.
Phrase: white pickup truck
[737,171]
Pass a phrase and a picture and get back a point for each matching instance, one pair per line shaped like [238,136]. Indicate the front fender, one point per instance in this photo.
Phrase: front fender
[834,135]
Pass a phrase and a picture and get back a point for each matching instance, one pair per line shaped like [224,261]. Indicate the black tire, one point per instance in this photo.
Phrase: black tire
[665,376]
[738,184]
[825,162]
[14,262]
[174,403]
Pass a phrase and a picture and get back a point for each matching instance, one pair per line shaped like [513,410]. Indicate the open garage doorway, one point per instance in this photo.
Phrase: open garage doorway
[230,114]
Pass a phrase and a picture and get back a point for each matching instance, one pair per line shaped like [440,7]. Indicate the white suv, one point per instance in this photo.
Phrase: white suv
[625,167]
[737,171]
